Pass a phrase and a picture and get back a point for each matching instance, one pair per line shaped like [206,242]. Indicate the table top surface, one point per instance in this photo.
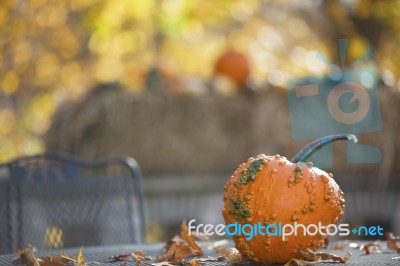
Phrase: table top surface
[100,255]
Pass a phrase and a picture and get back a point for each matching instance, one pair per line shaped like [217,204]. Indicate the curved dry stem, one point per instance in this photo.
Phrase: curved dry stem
[317,144]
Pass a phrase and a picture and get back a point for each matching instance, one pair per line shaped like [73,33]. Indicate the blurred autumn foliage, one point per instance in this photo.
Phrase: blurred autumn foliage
[54,51]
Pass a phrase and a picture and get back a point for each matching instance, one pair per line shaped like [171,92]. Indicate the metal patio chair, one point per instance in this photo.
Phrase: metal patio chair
[55,200]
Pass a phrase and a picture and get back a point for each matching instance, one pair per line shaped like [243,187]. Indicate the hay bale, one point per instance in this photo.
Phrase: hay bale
[207,135]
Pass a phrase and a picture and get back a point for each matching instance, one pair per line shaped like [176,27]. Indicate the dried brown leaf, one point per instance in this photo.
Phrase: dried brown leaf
[179,251]
[27,256]
[67,258]
[60,259]
[347,256]
[31,260]
[391,242]
[311,256]
[234,257]
[211,259]
[371,248]
[52,261]
[195,262]
[63,259]
[327,256]
[80,259]
[231,255]
[20,251]
[338,247]
[296,262]
[180,247]
[190,239]
[119,257]
[176,252]
[21,257]
[139,256]
[175,239]
[163,263]
[221,258]
[326,242]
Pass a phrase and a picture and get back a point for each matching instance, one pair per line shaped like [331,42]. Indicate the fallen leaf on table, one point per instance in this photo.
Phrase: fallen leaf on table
[347,256]
[52,261]
[201,261]
[338,247]
[309,255]
[391,242]
[326,242]
[332,257]
[195,262]
[163,263]
[180,247]
[371,248]
[177,252]
[231,255]
[296,262]
[21,257]
[234,257]
[139,256]
[174,240]
[315,258]
[59,260]
[80,259]
[27,257]
[190,239]
[211,259]
[67,258]
[119,257]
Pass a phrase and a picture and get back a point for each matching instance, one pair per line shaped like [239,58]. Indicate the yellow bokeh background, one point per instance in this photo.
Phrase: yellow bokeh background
[55,51]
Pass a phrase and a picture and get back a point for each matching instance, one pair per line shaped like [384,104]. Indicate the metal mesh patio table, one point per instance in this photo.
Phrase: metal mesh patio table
[100,255]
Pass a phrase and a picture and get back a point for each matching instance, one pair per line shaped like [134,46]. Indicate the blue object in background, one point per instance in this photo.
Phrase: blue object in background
[342,102]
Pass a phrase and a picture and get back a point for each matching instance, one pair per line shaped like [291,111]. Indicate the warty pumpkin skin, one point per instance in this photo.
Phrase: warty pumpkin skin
[271,189]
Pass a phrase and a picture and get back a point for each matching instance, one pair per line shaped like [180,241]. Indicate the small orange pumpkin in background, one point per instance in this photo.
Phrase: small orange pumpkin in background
[233,65]
[272,189]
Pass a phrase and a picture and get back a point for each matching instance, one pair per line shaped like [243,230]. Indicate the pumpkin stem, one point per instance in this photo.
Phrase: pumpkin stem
[317,144]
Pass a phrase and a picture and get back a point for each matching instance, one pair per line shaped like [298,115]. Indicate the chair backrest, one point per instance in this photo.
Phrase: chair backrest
[55,200]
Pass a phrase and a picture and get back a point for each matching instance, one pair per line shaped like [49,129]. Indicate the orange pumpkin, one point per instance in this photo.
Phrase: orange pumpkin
[272,189]
[233,65]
